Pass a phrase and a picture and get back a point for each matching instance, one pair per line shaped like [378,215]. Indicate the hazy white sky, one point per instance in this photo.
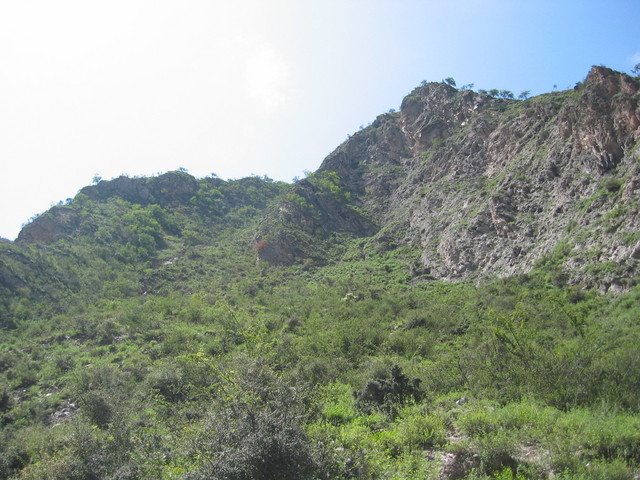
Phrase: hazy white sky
[256,87]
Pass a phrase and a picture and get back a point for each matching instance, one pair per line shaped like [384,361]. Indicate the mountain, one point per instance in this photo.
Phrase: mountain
[484,186]
[453,294]
[137,230]
[479,186]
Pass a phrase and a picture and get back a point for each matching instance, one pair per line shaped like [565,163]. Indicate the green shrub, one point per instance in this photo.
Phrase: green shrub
[496,451]
[336,403]
[598,470]
[419,431]
[478,421]
[611,185]
[389,394]
[96,407]
[254,432]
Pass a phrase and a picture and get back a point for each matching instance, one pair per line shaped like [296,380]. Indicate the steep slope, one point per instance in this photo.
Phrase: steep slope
[169,190]
[135,235]
[140,338]
[486,186]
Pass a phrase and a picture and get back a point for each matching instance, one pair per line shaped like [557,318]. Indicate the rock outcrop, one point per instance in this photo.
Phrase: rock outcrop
[479,186]
[172,188]
[488,186]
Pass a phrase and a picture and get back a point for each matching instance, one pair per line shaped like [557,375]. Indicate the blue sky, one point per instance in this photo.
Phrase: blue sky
[237,88]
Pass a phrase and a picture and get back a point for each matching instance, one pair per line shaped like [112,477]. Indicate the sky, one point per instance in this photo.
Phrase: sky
[255,87]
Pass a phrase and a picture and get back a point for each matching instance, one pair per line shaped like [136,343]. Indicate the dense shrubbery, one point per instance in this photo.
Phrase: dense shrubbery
[189,360]
[254,430]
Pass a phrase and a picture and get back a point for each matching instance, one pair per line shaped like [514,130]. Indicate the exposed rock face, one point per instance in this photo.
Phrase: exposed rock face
[171,188]
[489,186]
[481,186]
[48,227]
[310,213]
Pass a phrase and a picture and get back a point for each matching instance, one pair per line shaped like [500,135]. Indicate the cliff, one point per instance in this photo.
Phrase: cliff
[486,186]
[476,186]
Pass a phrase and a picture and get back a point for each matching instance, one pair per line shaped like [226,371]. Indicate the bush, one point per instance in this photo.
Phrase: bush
[96,408]
[254,431]
[611,185]
[419,431]
[388,394]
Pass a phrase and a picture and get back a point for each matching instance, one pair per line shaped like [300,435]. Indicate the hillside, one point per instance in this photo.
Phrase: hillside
[485,186]
[453,294]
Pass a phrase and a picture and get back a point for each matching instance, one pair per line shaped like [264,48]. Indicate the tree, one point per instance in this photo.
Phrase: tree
[96,179]
[524,94]
[450,81]
[636,69]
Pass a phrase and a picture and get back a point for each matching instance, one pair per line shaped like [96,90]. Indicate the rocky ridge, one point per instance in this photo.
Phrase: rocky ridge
[478,186]
[172,188]
[486,186]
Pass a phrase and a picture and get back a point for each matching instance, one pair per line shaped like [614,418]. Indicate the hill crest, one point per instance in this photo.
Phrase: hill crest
[478,186]
[487,186]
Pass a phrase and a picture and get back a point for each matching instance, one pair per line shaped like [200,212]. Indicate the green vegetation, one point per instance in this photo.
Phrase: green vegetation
[144,334]
[329,183]
[147,343]
[450,81]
